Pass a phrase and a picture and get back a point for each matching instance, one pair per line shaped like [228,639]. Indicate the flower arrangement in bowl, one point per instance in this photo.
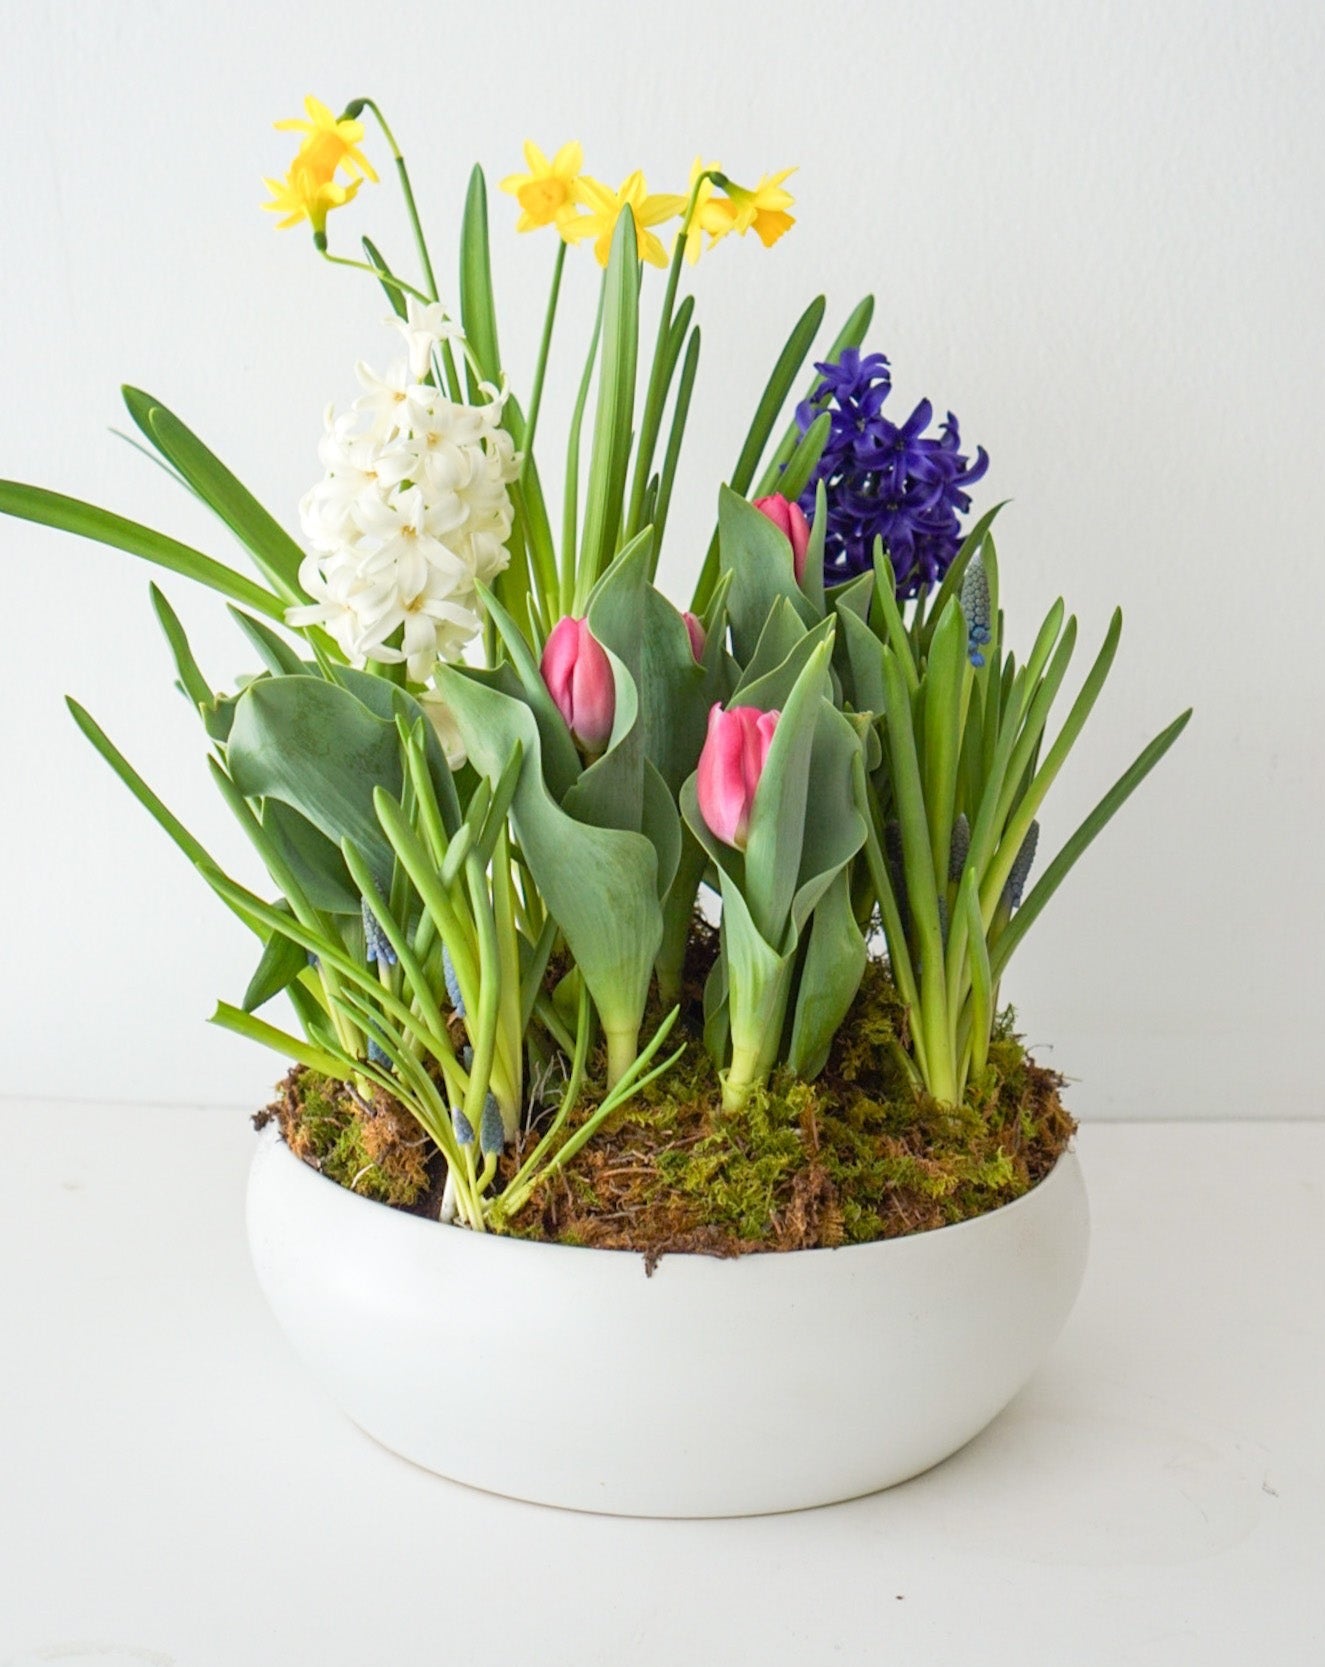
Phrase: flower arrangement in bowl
[611,925]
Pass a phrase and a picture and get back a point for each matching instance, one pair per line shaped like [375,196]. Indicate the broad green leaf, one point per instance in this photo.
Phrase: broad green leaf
[778,816]
[600,884]
[758,557]
[830,975]
[315,747]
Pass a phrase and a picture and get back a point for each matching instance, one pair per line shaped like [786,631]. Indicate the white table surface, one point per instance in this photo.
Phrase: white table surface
[174,1490]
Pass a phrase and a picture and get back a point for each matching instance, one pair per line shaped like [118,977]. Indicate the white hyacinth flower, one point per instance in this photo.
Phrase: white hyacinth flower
[412,511]
[425,326]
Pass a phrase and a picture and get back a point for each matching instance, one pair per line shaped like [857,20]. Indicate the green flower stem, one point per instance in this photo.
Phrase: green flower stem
[398,284]
[416,225]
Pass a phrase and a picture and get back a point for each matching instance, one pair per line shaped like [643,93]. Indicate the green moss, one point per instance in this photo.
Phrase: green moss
[856,1155]
[375,1149]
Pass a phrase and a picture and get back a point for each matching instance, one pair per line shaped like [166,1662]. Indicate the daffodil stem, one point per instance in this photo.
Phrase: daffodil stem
[540,369]
[382,277]
[656,397]
[420,242]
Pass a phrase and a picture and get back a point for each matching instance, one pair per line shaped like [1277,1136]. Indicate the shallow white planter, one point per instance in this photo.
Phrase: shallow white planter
[713,1388]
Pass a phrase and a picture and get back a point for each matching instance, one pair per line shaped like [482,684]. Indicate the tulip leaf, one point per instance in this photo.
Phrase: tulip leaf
[777,817]
[758,556]
[315,747]
[312,859]
[830,975]
[599,884]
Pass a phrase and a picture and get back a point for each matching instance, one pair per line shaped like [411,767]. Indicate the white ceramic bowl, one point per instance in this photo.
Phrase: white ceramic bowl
[713,1388]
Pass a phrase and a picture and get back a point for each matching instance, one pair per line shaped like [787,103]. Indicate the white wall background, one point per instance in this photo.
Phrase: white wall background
[1097,233]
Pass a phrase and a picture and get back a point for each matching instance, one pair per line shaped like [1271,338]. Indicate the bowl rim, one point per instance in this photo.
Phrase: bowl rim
[1066,1164]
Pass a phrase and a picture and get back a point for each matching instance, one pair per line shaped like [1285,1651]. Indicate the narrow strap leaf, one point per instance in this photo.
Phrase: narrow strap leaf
[72,515]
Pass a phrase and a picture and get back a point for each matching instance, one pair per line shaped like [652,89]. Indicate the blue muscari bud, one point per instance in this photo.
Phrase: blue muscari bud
[464,1130]
[1022,867]
[377,946]
[452,983]
[960,847]
[943,918]
[312,960]
[491,1129]
[975,610]
[377,1055]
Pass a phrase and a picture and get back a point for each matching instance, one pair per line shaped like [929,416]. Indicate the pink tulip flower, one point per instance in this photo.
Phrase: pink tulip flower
[698,636]
[730,766]
[578,675]
[790,519]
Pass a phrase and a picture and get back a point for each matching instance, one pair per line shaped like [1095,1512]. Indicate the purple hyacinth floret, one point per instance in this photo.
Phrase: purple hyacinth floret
[886,480]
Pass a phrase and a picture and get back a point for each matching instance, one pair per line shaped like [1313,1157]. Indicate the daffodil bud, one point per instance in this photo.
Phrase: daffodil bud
[730,765]
[578,675]
[790,519]
[698,636]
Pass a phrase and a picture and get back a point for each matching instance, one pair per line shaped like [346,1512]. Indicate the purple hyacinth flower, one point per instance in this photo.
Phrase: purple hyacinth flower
[885,480]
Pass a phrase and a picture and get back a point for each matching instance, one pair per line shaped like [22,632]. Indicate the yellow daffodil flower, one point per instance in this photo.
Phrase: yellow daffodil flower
[764,208]
[709,214]
[605,205]
[546,194]
[304,194]
[328,143]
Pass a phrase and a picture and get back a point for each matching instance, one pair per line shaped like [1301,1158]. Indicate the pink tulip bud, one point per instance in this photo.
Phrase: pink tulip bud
[578,675]
[790,519]
[730,767]
[698,636]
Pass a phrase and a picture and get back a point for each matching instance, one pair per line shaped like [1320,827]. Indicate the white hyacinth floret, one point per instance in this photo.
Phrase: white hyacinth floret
[412,511]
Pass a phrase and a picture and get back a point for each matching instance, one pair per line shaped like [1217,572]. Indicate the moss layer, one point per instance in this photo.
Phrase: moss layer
[854,1156]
